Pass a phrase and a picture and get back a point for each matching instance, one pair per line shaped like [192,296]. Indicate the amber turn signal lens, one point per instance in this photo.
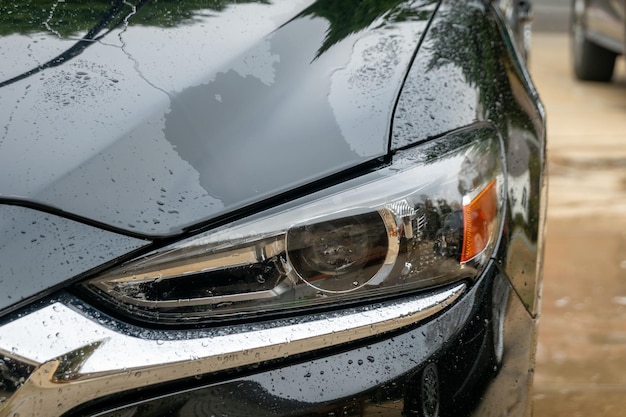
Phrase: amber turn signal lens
[479,217]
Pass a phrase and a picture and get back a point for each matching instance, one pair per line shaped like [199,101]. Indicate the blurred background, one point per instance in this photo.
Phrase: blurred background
[581,356]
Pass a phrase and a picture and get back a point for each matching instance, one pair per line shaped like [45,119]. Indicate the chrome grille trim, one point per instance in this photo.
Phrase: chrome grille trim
[78,359]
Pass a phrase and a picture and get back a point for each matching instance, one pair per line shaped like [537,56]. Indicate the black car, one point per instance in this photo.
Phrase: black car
[598,32]
[268,208]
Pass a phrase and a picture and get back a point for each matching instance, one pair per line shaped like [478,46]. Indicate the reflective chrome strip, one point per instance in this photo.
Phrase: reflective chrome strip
[80,359]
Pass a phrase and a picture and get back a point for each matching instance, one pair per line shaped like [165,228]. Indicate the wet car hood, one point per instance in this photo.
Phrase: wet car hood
[154,116]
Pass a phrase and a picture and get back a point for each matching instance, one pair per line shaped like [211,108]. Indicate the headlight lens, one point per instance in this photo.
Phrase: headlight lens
[431,218]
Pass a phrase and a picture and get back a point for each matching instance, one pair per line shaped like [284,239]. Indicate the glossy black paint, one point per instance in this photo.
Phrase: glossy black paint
[40,251]
[129,128]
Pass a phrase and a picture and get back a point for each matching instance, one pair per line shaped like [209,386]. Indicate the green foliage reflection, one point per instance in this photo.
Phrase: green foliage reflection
[71,17]
[346,17]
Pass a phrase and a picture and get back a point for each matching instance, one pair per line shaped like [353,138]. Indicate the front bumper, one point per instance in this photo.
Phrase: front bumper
[434,353]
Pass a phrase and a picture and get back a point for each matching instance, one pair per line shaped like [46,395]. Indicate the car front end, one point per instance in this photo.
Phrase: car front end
[338,212]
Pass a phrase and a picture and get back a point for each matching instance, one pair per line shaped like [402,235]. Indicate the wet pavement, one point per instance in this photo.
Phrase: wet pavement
[581,357]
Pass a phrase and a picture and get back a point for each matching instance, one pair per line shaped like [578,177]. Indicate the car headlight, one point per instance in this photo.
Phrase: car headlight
[430,218]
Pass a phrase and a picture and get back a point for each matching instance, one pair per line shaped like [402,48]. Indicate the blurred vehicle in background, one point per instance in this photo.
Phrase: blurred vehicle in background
[598,31]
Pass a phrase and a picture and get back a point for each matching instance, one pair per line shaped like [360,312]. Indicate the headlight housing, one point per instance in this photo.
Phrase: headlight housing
[430,218]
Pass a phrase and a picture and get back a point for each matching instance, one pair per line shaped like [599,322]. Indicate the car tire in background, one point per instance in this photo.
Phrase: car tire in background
[591,61]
